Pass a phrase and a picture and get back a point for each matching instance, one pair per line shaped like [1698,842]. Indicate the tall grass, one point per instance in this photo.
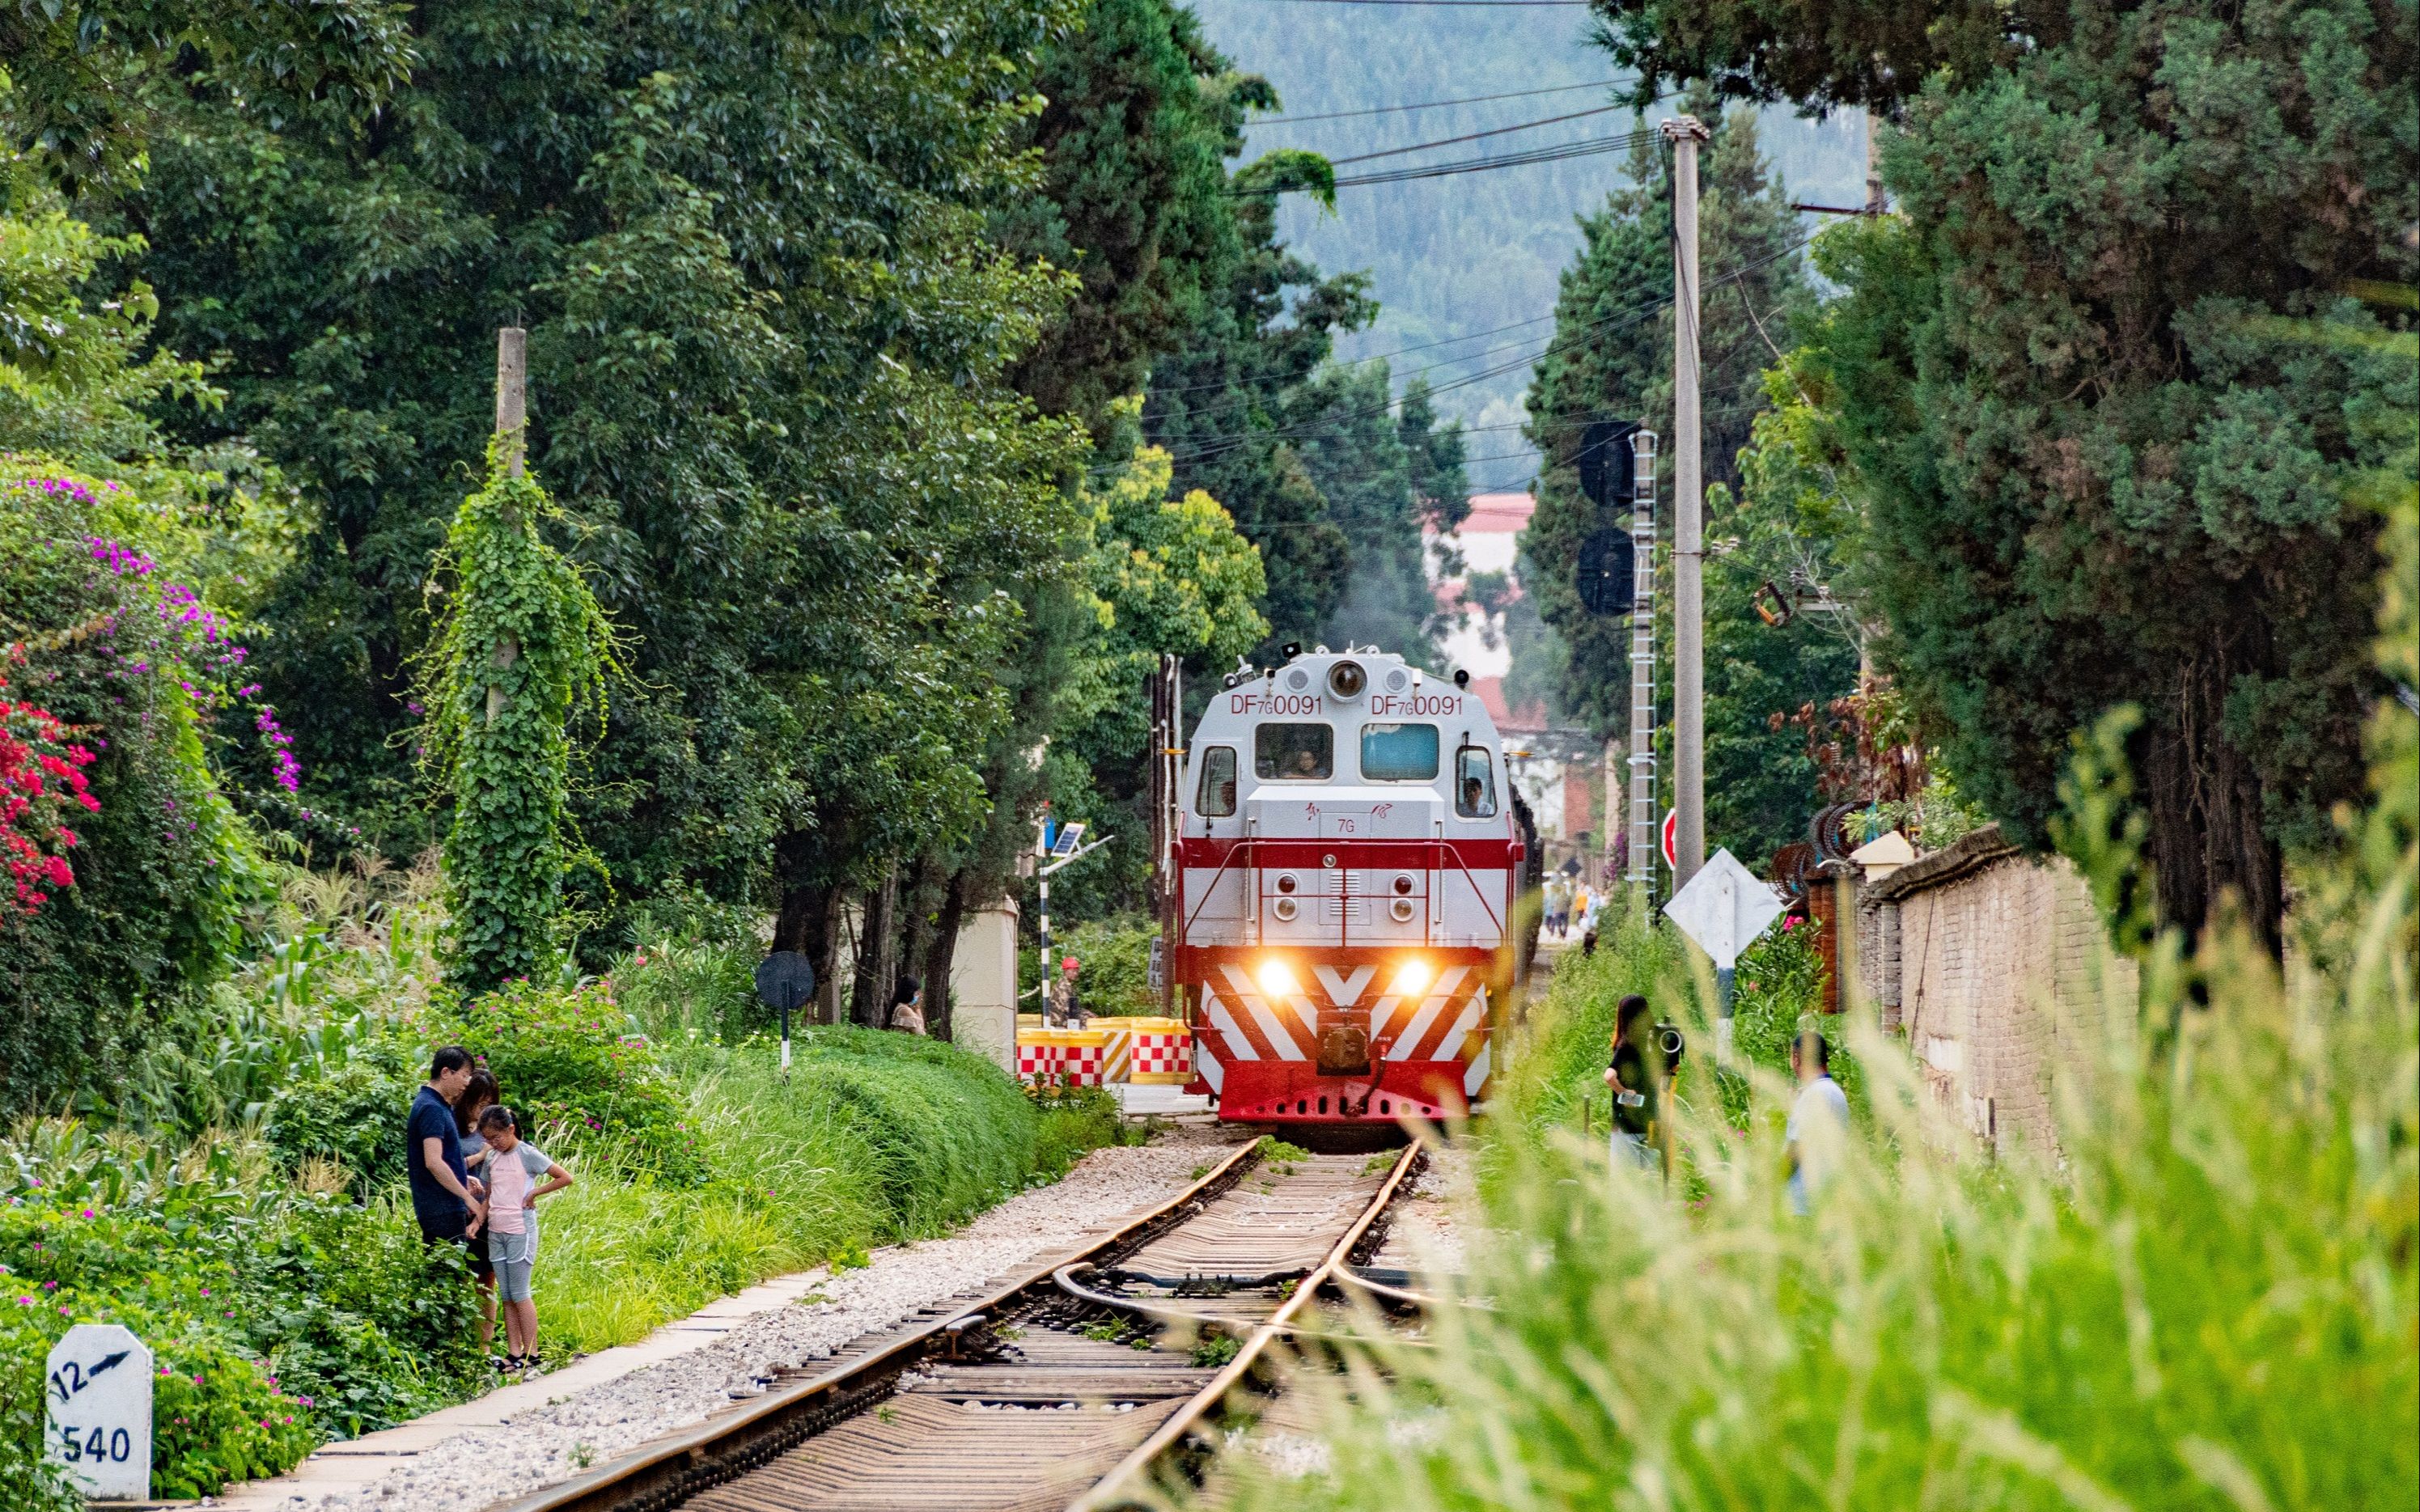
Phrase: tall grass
[2209,1306]
[2205,1298]
[871,1138]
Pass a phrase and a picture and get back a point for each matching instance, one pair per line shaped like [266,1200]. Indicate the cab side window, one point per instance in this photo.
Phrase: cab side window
[1215,798]
[1474,783]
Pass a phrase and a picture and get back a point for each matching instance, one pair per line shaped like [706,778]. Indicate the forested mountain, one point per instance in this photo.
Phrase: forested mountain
[1452,257]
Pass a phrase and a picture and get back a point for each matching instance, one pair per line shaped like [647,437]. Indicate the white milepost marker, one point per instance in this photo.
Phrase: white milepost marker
[1724,908]
[97,1387]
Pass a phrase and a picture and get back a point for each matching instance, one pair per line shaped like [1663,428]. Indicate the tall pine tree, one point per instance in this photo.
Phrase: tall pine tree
[2105,463]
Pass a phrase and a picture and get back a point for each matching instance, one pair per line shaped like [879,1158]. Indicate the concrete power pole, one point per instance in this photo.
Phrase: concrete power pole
[1642,876]
[1688,515]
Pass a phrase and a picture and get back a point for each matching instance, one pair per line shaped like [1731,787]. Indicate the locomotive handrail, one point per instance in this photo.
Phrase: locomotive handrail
[1429,846]
[1229,860]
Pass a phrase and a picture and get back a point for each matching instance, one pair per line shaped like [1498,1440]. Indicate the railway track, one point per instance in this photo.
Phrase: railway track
[1061,1389]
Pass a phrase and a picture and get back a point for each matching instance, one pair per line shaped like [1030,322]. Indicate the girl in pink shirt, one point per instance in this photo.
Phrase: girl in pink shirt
[513,1170]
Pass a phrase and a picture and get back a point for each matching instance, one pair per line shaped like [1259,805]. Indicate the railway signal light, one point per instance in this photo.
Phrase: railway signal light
[1608,572]
[1609,463]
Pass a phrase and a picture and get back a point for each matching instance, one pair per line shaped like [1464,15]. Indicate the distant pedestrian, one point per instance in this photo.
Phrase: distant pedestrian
[1635,1076]
[1067,1003]
[479,1094]
[1819,1122]
[445,1198]
[513,1190]
[908,1006]
[1588,941]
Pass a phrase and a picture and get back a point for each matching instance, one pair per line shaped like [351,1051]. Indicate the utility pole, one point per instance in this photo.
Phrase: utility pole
[512,441]
[1641,876]
[1688,515]
[1874,198]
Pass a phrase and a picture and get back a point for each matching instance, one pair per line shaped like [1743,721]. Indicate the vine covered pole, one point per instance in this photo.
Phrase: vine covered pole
[522,643]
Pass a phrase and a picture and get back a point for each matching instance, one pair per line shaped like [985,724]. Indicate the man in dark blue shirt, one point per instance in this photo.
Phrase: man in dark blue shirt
[445,1197]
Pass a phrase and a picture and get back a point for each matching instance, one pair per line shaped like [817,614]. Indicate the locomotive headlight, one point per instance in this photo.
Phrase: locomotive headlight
[1276,980]
[1346,679]
[1412,979]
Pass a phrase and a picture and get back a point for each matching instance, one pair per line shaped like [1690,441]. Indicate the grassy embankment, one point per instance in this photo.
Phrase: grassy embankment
[239,1201]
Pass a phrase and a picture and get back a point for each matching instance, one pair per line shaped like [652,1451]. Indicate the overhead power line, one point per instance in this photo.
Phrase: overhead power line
[1430,104]
[1207,448]
[1586,147]
[1562,153]
[1254,379]
[1474,136]
[1467,5]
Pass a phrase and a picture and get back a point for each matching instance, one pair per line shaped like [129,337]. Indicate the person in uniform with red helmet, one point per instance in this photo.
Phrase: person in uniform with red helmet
[1066,1007]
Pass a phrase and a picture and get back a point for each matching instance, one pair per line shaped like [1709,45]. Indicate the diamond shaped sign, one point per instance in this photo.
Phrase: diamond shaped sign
[1724,908]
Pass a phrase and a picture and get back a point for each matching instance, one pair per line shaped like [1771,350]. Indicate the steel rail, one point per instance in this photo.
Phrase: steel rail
[662,1473]
[1110,1493]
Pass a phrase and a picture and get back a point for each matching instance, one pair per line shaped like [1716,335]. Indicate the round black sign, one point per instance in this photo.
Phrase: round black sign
[785,980]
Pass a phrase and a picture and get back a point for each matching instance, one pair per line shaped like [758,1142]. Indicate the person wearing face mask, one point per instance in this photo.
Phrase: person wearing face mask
[908,1006]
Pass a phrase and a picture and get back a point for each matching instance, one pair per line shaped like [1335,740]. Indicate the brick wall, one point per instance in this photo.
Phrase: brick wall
[1992,964]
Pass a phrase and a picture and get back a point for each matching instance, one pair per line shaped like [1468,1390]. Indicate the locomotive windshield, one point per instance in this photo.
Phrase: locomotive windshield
[1398,753]
[1298,753]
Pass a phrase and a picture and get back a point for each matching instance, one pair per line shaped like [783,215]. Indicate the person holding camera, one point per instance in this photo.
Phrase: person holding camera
[1637,1079]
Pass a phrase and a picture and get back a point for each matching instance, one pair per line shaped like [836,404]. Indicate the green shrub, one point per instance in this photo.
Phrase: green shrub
[950,1132]
[354,1312]
[873,1138]
[164,869]
[1073,1122]
[96,1230]
[217,1417]
[579,1074]
[697,990]
[352,1113]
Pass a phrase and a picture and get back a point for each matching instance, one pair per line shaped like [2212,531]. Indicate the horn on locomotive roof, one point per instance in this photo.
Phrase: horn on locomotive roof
[1462,677]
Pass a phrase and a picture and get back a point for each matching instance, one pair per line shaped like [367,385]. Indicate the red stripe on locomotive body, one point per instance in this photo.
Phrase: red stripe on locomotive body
[1490,854]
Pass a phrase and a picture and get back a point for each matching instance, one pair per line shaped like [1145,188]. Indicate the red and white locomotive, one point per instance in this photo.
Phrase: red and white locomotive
[1342,891]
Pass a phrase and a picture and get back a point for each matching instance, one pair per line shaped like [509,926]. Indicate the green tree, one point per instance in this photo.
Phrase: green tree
[768,334]
[92,82]
[1389,471]
[1324,470]
[2100,469]
[1138,113]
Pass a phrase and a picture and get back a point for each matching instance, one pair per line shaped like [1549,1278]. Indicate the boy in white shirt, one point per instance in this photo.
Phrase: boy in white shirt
[513,1168]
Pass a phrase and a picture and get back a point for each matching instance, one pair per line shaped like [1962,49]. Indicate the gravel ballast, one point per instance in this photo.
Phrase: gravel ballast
[556,1436]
